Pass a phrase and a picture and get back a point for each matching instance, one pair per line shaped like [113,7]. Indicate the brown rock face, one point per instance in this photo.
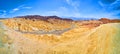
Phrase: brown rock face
[106,20]
[45,18]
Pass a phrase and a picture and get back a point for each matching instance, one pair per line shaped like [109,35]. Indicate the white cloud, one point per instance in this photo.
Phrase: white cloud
[26,7]
[101,4]
[21,7]
[16,9]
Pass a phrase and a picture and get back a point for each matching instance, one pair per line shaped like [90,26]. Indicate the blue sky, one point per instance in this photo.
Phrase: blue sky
[62,8]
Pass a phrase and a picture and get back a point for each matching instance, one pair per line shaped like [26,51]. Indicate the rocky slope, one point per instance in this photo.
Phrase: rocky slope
[91,41]
[38,23]
[35,23]
[58,36]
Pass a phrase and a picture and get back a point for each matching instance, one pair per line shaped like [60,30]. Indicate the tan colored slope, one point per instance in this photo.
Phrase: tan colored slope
[29,25]
[99,40]
[15,43]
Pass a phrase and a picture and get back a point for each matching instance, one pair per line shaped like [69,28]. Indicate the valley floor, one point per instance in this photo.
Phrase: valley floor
[104,39]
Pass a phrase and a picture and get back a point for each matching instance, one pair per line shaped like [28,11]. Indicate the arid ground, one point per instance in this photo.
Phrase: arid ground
[54,35]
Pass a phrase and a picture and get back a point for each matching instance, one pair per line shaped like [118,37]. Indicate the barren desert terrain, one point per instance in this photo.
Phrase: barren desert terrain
[53,35]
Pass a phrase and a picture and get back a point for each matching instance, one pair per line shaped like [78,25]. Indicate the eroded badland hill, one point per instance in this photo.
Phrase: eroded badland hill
[55,35]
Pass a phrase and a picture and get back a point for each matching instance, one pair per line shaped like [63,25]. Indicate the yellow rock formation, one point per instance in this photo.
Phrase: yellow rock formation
[91,37]
[35,25]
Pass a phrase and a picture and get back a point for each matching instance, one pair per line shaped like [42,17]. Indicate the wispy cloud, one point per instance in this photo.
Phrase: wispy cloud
[75,8]
[115,8]
[14,10]
[2,13]
[116,5]
[21,7]
[101,4]
[63,11]
[112,7]
[26,7]
[74,4]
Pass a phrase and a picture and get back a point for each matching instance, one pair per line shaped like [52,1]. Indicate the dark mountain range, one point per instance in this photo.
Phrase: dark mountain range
[43,17]
[56,18]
